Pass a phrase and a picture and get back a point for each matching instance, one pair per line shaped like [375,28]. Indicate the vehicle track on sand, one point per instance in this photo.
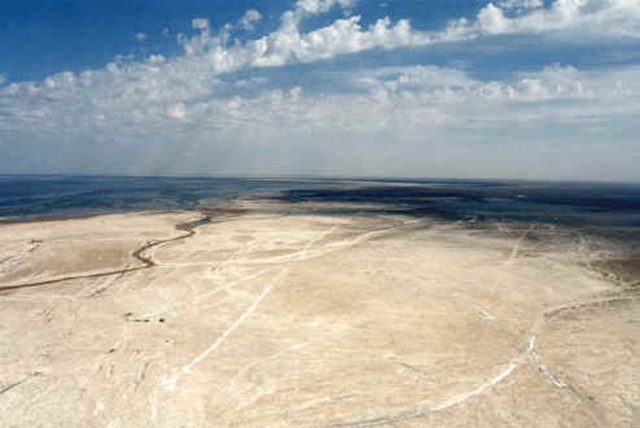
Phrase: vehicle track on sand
[147,262]
[529,355]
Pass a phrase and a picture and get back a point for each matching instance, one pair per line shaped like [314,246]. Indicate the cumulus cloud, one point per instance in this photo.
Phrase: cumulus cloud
[289,45]
[194,97]
[152,85]
[249,19]
[344,36]
[520,5]
[419,108]
[602,17]
[176,111]
[443,87]
[386,97]
[315,7]
[492,20]
[200,24]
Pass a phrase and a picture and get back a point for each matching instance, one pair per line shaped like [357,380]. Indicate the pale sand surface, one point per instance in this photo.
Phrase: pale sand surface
[272,320]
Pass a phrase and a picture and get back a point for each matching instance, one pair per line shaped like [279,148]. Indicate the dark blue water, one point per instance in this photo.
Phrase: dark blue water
[564,203]
[604,206]
[55,197]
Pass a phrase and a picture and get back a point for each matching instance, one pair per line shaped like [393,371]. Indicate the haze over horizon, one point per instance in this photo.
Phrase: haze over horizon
[513,89]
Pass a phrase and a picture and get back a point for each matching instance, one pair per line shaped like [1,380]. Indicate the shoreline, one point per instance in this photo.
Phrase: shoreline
[621,266]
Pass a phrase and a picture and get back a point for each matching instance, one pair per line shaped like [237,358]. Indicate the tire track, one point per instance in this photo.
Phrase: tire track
[147,262]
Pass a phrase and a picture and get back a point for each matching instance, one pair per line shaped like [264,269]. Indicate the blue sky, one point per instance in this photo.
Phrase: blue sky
[467,88]
[42,37]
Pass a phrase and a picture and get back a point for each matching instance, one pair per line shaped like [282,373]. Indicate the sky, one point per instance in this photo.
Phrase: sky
[514,89]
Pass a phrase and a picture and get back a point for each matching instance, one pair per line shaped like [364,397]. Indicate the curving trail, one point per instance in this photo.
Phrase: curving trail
[147,262]
[185,353]
[529,355]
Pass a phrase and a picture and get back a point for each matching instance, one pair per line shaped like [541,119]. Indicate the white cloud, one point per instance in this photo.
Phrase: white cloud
[553,83]
[315,7]
[3,79]
[185,87]
[289,45]
[492,20]
[344,36]
[601,17]
[520,5]
[429,107]
[145,101]
[176,111]
[200,24]
[249,19]
[141,37]
[127,98]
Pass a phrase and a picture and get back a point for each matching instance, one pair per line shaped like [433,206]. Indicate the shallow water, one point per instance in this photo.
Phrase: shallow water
[54,197]
[613,208]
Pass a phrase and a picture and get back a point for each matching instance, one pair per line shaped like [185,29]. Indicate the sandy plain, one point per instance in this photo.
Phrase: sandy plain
[265,317]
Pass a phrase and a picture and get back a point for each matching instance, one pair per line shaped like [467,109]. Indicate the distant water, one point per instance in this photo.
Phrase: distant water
[55,197]
[614,207]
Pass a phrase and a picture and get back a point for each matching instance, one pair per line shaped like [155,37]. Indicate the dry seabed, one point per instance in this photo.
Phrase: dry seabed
[273,320]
